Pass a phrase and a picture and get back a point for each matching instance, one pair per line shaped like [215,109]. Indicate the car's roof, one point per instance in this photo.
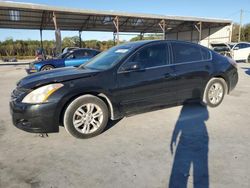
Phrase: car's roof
[143,42]
[79,49]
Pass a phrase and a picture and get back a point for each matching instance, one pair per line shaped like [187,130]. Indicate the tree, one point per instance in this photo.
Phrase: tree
[148,37]
[245,32]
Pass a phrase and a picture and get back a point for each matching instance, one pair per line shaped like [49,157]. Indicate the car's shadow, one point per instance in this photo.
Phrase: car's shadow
[247,70]
[191,139]
[111,123]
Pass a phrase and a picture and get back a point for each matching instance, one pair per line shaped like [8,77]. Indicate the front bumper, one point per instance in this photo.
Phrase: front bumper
[30,70]
[34,118]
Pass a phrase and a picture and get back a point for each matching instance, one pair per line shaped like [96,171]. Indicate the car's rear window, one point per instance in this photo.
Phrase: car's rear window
[185,52]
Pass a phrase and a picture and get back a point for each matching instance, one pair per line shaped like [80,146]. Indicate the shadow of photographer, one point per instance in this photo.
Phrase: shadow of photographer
[191,148]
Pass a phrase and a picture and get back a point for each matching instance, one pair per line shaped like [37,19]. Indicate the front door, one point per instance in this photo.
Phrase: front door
[149,81]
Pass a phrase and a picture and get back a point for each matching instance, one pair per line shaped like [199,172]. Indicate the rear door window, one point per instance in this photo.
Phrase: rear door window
[81,53]
[185,52]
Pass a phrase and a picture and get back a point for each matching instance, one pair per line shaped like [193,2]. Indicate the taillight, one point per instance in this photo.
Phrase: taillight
[232,62]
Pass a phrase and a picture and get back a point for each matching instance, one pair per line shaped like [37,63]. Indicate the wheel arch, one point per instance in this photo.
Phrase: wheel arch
[225,81]
[99,95]
[222,78]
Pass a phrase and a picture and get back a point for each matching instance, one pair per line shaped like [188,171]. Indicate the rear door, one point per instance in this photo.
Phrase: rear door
[151,85]
[192,64]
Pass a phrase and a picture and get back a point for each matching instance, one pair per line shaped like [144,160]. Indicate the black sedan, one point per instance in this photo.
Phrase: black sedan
[127,79]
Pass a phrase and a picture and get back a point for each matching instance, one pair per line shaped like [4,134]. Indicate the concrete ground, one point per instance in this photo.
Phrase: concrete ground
[212,149]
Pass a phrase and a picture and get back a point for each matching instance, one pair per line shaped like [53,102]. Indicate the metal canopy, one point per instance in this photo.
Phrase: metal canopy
[33,16]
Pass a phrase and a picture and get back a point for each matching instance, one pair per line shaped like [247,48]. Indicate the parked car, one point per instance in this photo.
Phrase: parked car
[124,80]
[72,58]
[9,59]
[237,51]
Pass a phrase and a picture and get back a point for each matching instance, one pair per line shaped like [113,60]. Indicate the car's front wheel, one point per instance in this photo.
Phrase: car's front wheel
[86,116]
[214,92]
[47,67]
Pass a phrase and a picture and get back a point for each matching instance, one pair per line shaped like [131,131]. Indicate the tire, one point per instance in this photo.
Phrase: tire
[47,67]
[86,117]
[214,92]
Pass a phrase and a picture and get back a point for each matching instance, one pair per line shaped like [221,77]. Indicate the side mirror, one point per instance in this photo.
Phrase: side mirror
[131,66]
[236,48]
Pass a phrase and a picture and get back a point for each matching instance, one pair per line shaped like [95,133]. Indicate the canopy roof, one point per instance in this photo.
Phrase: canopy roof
[34,16]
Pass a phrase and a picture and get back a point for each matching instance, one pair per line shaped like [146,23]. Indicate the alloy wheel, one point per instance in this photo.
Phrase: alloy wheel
[88,118]
[215,93]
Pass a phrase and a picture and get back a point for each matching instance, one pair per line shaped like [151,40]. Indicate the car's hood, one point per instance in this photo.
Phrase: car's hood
[53,76]
[48,61]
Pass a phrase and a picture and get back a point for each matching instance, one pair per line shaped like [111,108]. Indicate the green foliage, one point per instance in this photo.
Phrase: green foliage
[18,48]
[245,33]
[148,37]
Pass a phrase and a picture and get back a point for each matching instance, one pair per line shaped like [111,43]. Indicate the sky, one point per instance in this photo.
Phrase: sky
[228,9]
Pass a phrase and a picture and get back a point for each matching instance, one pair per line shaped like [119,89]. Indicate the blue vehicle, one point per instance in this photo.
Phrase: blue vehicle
[72,58]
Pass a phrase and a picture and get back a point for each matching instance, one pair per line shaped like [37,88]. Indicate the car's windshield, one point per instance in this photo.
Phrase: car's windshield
[109,58]
[62,55]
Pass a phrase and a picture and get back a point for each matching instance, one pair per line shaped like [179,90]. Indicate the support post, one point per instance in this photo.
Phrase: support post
[209,34]
[116,23]
[41,38]
[241,16]
[58,36]
[80,39]
[114,38]
[199,29]
[141,36]
[162,25]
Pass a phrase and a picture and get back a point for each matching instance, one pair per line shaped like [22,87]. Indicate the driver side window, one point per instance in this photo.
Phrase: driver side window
[151,56]
[70,56]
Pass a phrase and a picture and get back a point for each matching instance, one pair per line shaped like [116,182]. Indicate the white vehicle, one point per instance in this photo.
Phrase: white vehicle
[238,51]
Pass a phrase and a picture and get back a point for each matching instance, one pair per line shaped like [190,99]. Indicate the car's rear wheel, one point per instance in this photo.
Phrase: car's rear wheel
[47,67]
[86,116]
[214,92]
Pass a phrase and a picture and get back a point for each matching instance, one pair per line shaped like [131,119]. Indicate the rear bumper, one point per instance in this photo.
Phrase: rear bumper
[37,118]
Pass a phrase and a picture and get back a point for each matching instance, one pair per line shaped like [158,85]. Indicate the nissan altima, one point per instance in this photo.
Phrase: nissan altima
[127,79]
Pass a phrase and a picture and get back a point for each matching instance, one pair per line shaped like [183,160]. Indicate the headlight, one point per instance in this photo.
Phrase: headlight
[41,94]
